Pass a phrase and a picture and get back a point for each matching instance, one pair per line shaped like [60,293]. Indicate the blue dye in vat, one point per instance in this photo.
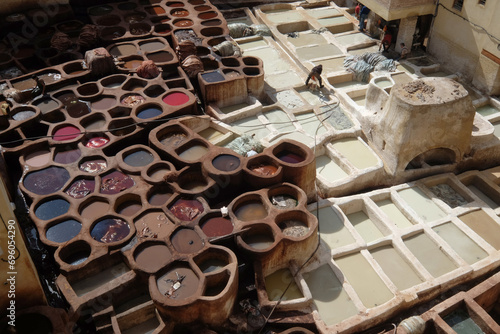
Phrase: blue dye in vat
[64,231]
[149,113]
[52,209]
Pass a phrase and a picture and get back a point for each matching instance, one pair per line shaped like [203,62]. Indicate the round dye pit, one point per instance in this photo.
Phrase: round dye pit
[23,115]
[176,99]
[193,183]
[97,142]
[211,265]
[163,29]
[52,208]
[186,209]
[129,208]
[38,158]
[94,209]
[149,112]
[217,226]
[104,103]
[159,198]
[284,201]
[202,8]
[66,133]
[226,162]
[45,105]
[46,181]
[175,4]
[152,257]
[179,13]
[183,23]
[264,170]
[138,158]
[187,241]
[171,290]
[289,157]
[81,188]
[154,225]
[132,100]
[116,182]
[258,240]
[207,15]
[63,231]
[135,17]
[94,166]
[67,157]
[110,230]
[293,228]
[251,210]
[158,173]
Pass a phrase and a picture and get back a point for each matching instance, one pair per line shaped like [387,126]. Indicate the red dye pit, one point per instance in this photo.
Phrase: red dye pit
[176,99]
[66,133]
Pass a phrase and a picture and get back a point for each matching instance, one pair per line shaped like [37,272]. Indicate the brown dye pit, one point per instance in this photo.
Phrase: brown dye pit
[187,241]
[264,170]
[153,225]
[67,157]
[251,210]
[94,209]
[293,228]
[129,208]
[153,257]
[178,283]
[217,226]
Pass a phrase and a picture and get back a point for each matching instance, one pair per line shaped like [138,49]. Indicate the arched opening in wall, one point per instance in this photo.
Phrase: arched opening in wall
[435,157]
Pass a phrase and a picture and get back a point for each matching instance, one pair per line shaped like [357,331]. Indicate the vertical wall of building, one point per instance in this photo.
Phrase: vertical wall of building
[464,47]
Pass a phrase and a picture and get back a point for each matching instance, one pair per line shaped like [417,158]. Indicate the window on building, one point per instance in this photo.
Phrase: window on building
[458,4]
[482,2]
